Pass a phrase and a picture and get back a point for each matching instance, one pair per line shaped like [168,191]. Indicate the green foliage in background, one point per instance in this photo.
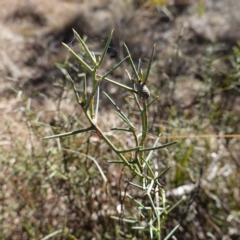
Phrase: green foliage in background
[153,208]
[65,188]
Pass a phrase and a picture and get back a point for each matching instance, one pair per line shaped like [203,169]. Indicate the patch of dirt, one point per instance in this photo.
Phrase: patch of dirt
[30,44]
[32,32]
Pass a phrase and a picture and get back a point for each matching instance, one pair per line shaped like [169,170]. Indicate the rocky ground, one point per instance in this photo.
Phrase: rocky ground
[32,32]
[187,33]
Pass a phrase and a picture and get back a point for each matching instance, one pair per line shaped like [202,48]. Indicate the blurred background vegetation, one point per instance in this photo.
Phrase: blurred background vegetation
[52,189]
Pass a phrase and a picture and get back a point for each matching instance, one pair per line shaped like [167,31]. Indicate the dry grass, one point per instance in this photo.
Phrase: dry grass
[48,186]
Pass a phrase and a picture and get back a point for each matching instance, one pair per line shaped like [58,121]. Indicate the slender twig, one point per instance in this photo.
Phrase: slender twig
[69,133]
[133,158]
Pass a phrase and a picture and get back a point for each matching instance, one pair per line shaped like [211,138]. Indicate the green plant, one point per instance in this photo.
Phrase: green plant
[153,206]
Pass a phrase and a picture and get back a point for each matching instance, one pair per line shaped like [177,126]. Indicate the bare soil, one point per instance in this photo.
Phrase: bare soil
[185,35]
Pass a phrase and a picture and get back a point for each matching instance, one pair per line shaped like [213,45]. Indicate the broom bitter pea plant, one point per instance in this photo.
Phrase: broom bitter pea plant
[155,212]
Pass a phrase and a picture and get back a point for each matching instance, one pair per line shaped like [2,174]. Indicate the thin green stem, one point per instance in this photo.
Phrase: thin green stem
[137,163]
[106,140]
[73,87]
[151,152]
[115,67]
[85,47]
[144,123]
[131,62]
[78,58]
[84,97]
[162,173]
[129,150]
[69,133]
[152,101]
[150,169]
[97,104]
[122,129]
[172,232]
[90,99]
[120,85]
[119,112]
[158,147]
[149,64]
[105,49]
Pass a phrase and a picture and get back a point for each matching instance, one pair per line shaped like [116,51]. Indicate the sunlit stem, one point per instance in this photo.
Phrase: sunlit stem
[131,62]
[89,53]
[149,64]
[105,49]
[78,58]
[144,123]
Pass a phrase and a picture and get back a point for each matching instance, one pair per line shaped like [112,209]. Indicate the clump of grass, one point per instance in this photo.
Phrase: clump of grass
[153,207]
[54,189]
